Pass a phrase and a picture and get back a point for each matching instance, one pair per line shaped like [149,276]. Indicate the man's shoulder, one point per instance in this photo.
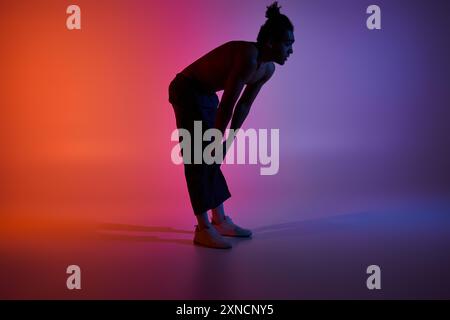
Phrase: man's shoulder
[244,50]
[270,69]
[250,50]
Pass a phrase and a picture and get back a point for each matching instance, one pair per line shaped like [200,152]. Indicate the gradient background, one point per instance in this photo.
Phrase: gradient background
[85,135]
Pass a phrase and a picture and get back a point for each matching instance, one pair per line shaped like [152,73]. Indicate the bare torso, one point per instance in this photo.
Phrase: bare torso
[212,69]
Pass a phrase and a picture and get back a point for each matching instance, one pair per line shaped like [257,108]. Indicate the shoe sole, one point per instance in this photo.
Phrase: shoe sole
[236,236]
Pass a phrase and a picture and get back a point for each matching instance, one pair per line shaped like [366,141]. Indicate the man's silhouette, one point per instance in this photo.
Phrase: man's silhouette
[234,67]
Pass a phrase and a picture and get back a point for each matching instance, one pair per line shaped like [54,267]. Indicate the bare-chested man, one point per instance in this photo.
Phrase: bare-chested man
[234,67]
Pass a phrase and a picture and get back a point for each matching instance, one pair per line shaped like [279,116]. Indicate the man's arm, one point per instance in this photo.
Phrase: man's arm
[242,70]
[248,97]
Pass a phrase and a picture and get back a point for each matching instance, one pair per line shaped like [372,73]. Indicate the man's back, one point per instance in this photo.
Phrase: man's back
[213,69]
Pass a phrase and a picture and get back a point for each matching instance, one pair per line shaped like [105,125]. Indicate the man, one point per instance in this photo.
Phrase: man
[235,67]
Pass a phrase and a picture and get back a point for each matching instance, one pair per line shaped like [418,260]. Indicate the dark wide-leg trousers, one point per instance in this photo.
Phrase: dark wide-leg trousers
[206,184]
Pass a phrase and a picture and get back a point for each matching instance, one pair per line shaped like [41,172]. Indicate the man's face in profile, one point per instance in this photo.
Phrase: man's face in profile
[282,48]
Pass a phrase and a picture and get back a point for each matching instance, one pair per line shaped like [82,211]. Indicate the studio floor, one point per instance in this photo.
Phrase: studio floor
[314,258]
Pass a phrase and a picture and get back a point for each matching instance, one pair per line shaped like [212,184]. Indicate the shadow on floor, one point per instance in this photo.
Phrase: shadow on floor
[120,232]
[129,227]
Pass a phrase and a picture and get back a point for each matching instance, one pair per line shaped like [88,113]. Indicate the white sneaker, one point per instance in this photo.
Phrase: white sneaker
[209,237]
[227,228]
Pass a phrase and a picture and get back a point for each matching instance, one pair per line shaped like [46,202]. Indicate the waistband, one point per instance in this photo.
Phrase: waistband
[194,83]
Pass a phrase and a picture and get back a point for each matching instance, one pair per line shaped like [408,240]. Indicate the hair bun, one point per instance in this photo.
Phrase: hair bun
[273,11]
